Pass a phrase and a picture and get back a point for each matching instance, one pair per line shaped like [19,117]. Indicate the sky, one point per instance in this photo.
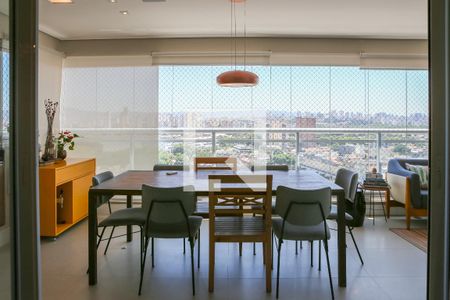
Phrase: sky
[281,88]
[311,89]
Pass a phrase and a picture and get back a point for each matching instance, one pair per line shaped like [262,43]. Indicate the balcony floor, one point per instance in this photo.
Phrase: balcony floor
[394,269]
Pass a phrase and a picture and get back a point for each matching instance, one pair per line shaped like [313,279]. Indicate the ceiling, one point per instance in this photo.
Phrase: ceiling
[101,19]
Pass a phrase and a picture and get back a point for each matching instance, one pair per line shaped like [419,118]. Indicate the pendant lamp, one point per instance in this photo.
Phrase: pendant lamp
[237,78]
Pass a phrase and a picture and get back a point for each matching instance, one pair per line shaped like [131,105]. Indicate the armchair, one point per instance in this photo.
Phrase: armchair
[406,190]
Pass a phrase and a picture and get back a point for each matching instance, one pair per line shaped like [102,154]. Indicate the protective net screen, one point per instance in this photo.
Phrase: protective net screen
[321,118]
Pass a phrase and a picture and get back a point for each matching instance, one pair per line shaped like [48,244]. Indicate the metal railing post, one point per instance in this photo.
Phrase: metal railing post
[379,151]
[297,149]
[213,142]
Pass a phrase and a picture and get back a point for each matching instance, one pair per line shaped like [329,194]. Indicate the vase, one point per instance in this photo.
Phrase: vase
[62,154]
[49,150]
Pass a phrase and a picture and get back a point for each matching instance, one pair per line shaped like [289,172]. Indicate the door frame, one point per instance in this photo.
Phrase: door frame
[439,157]
[25,246]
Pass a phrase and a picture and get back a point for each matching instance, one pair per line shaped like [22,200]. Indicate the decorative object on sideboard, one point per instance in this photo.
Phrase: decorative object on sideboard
[65,140]
[49,150]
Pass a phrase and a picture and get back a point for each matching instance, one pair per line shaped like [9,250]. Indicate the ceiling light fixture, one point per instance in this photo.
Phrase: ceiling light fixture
[237,78]
[113,1]
[60,1]
[124,12]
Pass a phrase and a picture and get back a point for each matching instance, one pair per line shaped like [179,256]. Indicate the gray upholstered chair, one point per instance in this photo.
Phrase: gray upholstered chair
[163,167]
[271,168]
[348,180]
[284,168]
[96,180]
[302,217]
[169,216]
[122,217]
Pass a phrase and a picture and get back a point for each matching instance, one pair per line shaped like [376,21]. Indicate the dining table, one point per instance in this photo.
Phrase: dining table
[130,183]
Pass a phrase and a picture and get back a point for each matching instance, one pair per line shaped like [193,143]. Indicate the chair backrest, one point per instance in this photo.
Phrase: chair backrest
[162,167]
[303,207]
[271,168]
[348,180]
[238,194]
[215,163]
[98,179]
[165,205]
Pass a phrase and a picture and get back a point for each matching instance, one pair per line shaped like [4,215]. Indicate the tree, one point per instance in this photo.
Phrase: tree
[402,149]
[279,157]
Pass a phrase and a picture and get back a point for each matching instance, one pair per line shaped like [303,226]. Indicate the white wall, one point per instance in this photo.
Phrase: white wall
[49,81]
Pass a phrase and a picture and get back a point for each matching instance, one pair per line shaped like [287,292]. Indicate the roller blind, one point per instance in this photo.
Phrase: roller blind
[211,58]
[400,61]
[107,61]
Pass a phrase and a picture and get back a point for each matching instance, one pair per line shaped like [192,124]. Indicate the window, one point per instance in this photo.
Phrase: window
[312,117]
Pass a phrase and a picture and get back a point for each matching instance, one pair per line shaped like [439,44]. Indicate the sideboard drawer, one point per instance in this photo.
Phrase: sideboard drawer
[75,171]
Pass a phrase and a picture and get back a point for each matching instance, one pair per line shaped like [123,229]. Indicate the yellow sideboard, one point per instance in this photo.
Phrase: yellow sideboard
[69,181]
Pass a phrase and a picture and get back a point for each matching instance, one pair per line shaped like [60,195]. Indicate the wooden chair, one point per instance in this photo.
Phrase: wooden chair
[230,197]
[212,163]
[215,163]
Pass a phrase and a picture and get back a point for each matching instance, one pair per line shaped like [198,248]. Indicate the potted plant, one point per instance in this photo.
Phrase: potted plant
[65,138]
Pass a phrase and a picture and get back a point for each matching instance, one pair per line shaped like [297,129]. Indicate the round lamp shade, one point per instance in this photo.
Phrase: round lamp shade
[237,78]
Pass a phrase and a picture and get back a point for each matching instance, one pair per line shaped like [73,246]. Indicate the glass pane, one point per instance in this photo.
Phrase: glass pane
[5,249]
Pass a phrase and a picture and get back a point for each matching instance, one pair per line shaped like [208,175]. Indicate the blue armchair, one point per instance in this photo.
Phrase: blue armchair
[405,188]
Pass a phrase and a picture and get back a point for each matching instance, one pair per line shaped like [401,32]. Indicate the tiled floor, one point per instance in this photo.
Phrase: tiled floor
[393,269]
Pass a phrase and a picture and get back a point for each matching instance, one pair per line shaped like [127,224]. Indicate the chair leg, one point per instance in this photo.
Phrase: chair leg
[325,245]
[143,265]
[312,253]
[320,255]
[273,244]
[191,243]
[301,245]
[153,252]
[278,266]
[141,243]
[296,247]
[254,248]
[356,246]
[109,240]
[109,207]
[240,248]
[264,252]
[198,249]
[100,237]
[184,246]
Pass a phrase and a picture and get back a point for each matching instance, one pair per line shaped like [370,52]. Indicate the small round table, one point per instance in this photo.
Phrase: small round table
[377,188]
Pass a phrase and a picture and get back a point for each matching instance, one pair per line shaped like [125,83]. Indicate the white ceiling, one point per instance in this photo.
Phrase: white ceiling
[100,19]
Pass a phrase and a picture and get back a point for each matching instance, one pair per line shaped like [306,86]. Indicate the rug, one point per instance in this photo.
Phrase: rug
[416,237]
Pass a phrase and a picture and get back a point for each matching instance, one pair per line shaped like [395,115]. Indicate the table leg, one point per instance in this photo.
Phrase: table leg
[372,196]
[129,227]
[388,203]
[382,204]
[342,255]
[92,240]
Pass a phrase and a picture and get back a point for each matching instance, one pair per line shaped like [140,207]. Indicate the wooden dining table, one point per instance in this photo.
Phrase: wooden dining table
[130,184]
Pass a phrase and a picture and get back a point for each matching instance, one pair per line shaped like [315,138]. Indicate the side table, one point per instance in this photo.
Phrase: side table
[377,188]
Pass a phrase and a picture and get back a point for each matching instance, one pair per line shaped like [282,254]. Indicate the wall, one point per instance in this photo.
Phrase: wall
[49,80]
[281,51]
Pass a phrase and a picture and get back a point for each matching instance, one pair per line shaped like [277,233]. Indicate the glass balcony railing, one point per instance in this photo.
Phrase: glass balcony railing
[322,149]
